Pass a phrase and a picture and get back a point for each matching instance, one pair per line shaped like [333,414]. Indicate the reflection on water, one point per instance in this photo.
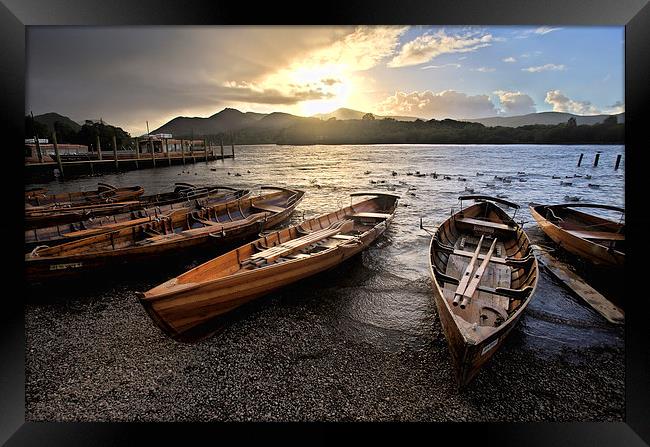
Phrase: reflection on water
[388,292]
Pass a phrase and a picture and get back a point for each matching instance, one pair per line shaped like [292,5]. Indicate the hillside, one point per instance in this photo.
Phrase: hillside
[224,121]
[48,119]
[548,118]
[350,114]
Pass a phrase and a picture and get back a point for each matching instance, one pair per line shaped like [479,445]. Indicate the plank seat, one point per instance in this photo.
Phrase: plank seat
[343,236]
[597,235]
[371,215]
[268,207]
[485,223]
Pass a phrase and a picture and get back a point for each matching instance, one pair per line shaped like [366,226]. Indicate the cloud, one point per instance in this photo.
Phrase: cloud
[515,103]
[330,81]
[562,103]
[617,107]
[445,104]
[546,67]
[252,93]
[539,31]
[545,30]
[427,67]
[509,59]
[484,69]
[360,50]
[428,46]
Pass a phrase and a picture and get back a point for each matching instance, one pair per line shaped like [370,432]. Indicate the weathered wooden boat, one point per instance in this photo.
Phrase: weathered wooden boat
[595,239]
[104,194]
[484,275]
[193,199]
[198,296]
[173,234]
[55,214]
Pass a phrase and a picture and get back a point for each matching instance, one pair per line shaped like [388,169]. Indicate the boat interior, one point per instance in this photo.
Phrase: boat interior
[214,220]
[327,232]
[88,226]
[484,265]
[584,225]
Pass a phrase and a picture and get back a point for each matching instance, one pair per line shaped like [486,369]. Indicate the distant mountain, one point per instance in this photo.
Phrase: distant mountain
[224,121]
[350,114]
[550,118]
[279,120]
[49,119]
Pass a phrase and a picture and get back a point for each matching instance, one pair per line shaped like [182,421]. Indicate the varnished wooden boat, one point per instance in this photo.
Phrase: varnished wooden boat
[484,275]
[104,194]
[266,264]
[170,235]
[56,214]
[595,239]
[188,201]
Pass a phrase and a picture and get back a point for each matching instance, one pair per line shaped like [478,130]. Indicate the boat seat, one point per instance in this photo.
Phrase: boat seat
[485,223]
[502,291]
[597,235]
[343,236]
[268,207]
[370,215]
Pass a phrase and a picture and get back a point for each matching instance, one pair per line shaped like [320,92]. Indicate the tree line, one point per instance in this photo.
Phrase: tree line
[389,131]
[86,135]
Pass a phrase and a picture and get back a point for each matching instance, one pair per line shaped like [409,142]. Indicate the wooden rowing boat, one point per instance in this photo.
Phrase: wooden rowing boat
[104,194]
[188,201]
[170,235]
[198,296]
[484,275]
[57,214]
[595,239]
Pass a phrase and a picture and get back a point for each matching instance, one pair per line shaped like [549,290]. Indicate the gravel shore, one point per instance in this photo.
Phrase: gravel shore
[312,352]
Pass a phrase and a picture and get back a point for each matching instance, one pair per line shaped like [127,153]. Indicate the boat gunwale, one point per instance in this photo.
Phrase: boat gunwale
[146,296]
[512,318]
[600,247]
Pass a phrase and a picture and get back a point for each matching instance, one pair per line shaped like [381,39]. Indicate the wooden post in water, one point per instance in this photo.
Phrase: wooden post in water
[192,151]
[232,142]
[38,149]
[596,159]
[58,157]
[205,149]
[137,153]
[117,163]
[153,152]
[580,159]
[221,148]
[211,149]
[99,148]
[618,161]
[169,160]
[183,151]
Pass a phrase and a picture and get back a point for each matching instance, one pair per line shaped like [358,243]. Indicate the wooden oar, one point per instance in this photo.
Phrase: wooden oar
[471,288]
[462,285]
[289,247]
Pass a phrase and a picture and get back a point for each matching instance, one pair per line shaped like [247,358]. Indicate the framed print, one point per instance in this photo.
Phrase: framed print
[377,213]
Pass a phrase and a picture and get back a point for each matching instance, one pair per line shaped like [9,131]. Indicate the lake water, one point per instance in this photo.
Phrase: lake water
[360,342]
[329,173]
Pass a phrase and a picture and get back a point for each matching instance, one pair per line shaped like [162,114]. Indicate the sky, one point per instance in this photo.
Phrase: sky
[129,76]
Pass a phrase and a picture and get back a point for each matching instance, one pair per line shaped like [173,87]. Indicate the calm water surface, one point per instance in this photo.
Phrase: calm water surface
[396,303]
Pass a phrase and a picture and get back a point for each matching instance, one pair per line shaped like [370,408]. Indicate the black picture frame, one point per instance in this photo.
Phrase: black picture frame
[15,15]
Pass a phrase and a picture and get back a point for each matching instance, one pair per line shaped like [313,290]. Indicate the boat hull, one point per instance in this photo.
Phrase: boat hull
[43,269]
[180,310]
[471,343]
[595,254]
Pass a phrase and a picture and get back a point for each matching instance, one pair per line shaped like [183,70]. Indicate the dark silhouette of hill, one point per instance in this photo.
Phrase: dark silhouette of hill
[548,118]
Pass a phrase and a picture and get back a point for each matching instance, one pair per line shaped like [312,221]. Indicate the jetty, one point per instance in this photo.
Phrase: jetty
[45,164]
